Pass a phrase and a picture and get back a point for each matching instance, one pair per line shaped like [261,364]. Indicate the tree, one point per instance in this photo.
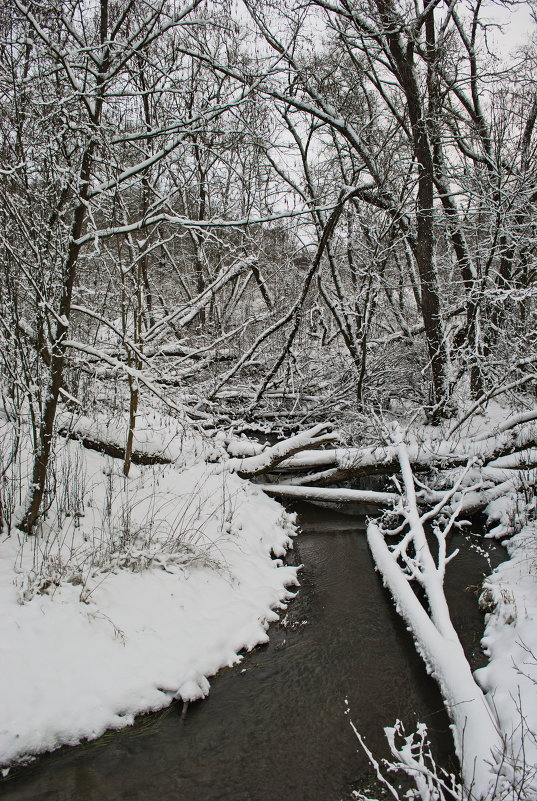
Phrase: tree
[69,163]
[402,95]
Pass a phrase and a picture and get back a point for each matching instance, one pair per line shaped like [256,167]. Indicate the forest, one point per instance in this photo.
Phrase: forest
[251,250]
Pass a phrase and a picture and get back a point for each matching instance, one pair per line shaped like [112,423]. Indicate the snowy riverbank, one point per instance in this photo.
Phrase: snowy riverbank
[152,584]
[137,590]
[510,642]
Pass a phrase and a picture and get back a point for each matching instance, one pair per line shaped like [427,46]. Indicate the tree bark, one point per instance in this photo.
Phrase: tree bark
[420,122]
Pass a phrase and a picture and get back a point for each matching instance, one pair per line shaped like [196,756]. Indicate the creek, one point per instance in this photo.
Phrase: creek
[274,727]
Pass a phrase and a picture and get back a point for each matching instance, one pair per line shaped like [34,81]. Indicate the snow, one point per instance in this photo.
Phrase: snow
[138,590]
[477,741]
[154,435]
[148,588]
[510,641]
[496,733]
[320,434]
[331,494]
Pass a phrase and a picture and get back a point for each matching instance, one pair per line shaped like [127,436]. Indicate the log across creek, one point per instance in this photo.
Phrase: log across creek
[274,726]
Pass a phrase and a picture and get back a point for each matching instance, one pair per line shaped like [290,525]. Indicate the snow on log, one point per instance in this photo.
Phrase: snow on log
[423,456]
[323,477]
[478,743]
[522,460]
[516,420]
[321,434]
[113,449]
[175,349]
[153,445]
[328,494]
[470,502]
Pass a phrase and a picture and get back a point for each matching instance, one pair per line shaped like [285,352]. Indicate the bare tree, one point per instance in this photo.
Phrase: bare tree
[57,190]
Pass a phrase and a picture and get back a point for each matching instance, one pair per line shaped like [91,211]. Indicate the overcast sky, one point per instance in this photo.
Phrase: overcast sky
[517,25]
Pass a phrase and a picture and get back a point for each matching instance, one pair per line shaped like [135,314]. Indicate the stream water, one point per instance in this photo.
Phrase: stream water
[274,727]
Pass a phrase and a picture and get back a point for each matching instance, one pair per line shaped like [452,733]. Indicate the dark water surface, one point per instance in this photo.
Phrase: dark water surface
[274,727]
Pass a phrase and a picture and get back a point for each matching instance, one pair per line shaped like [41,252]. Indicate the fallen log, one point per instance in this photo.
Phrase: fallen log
[329,494]
[523,460]
[479,744]
[111,449]
[423,457]
[475,500]
[499,462]
[323,478]
[512,422]
[109,438]
[167,349]
[321,434]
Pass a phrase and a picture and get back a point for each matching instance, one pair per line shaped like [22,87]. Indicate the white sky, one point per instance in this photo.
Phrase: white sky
[517,24]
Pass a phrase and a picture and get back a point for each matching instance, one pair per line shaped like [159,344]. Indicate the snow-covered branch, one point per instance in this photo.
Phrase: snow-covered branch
[475,728]
[321,434]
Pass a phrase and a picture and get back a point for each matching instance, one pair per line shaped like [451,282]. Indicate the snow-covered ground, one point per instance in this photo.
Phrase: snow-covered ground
[510,642]
[137,590]
[149,587]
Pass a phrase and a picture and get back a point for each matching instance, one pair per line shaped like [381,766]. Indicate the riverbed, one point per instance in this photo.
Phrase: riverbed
[274,727]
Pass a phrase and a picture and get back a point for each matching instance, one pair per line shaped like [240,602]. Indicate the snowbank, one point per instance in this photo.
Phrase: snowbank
[510,641]
[149,585]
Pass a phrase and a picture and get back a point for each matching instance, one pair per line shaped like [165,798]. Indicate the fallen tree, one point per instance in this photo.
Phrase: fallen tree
[477,470]
[479,744]
[271,457]
[330,494]
[425,456]
[500,462]
[113,449]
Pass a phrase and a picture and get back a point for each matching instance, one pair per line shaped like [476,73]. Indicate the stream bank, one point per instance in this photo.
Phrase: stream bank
[274,727]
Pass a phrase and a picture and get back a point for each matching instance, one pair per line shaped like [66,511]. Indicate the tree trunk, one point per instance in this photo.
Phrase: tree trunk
[38,479]
[403,58]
